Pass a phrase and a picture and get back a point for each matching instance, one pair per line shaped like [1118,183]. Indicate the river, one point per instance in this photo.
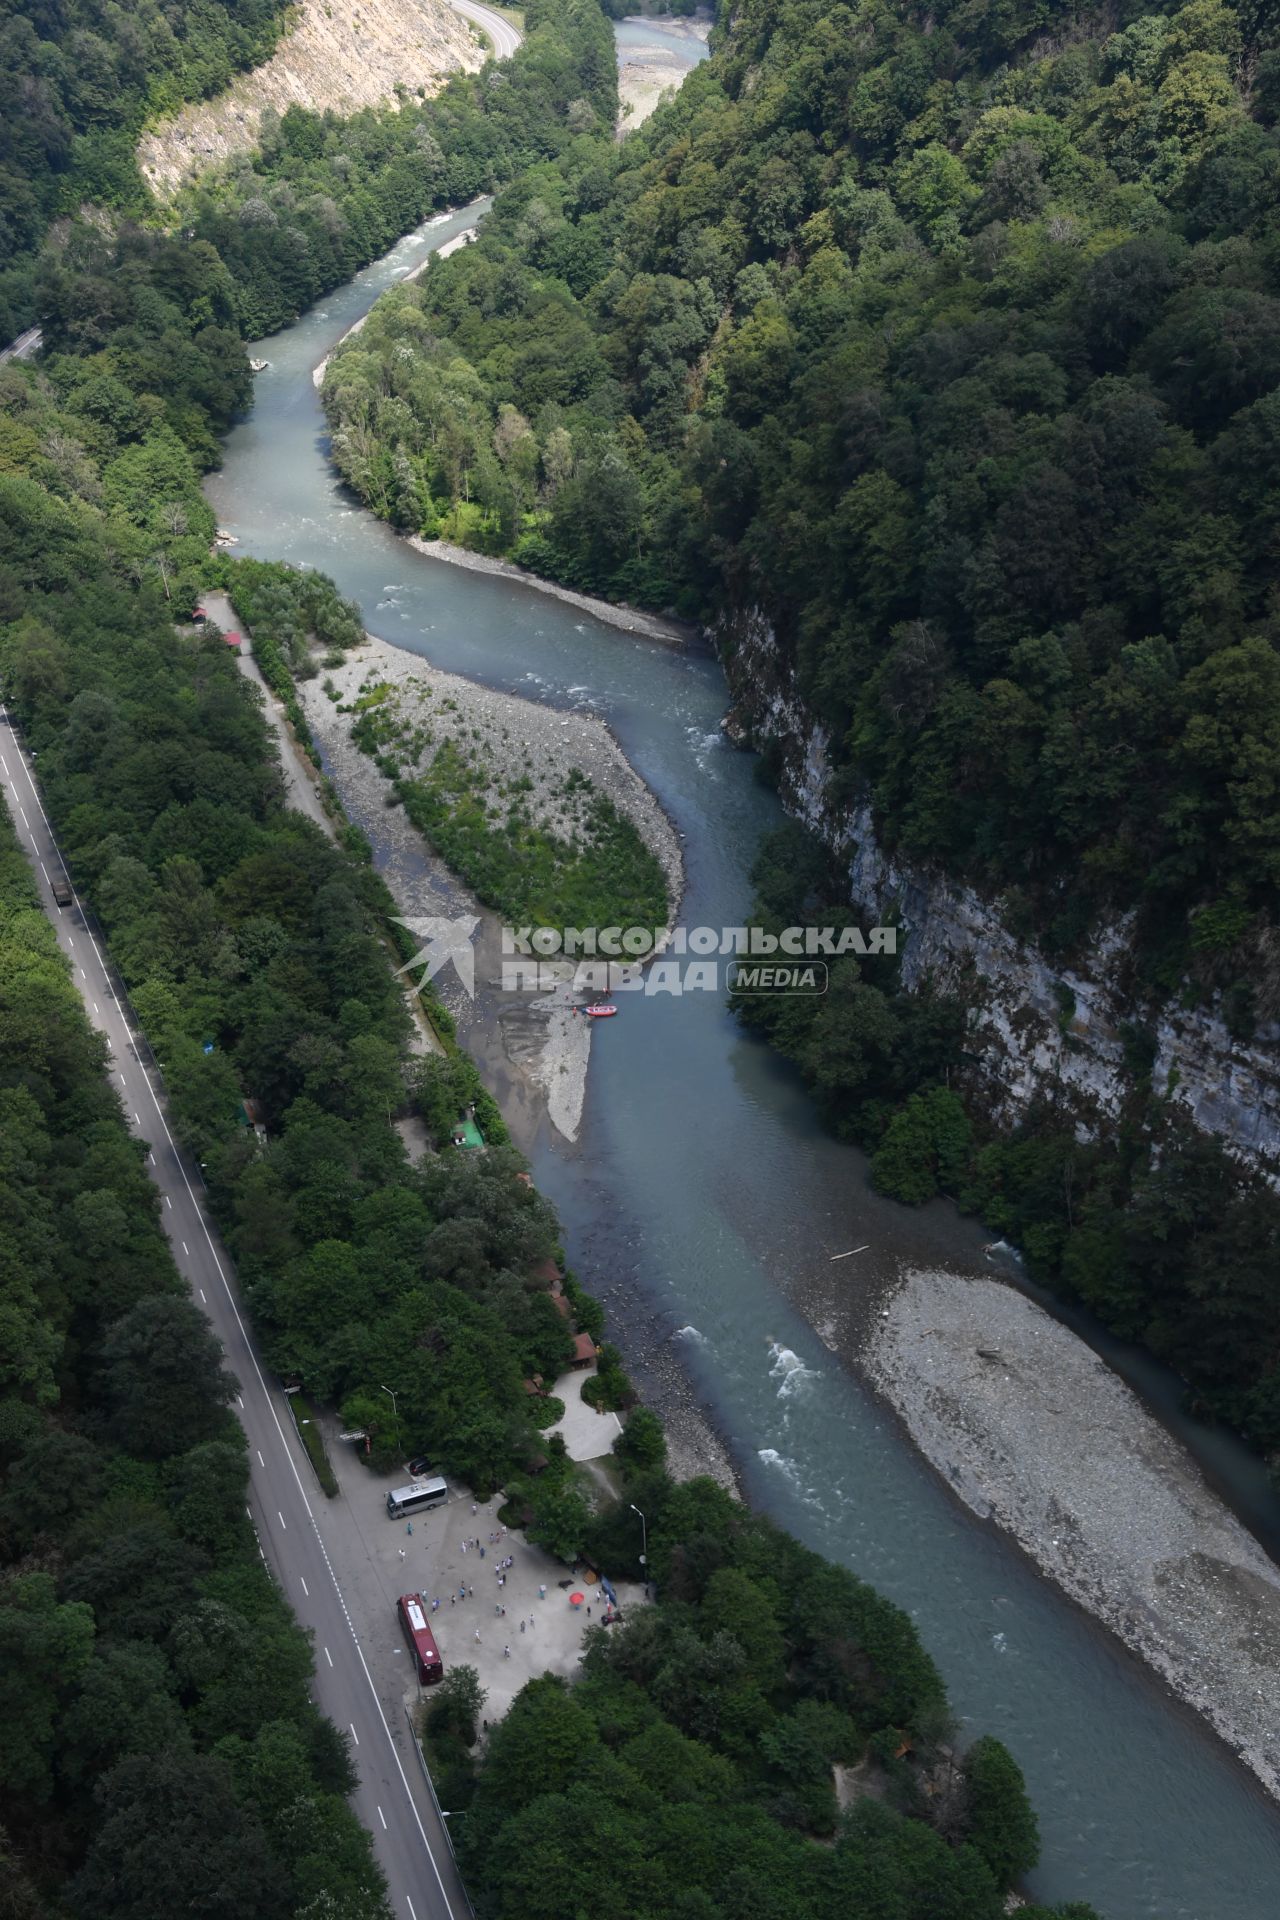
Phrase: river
[704,1204]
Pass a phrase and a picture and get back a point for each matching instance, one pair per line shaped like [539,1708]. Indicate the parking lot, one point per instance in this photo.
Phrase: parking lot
[377,1559]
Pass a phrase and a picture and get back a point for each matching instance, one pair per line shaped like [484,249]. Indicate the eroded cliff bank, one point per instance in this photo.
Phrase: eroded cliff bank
[1038,1030]
[340,54]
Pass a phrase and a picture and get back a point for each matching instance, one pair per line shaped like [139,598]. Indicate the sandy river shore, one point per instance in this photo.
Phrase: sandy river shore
[1036,1433]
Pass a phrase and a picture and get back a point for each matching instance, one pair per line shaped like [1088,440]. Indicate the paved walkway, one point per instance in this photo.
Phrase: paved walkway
[587,1434]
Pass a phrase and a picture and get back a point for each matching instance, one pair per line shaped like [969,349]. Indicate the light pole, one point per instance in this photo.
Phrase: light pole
[395,1411]
[644,1535]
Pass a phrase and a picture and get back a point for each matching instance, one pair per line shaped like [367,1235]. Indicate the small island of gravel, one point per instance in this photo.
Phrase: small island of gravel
[461,758]
[1035,1432]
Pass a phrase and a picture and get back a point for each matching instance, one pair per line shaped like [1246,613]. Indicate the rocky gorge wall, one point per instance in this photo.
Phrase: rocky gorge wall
[1038,1029]
[338,54]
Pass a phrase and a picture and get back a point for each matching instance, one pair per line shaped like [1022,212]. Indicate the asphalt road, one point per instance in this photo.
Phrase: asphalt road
[504,36]
[287,1510]
[29,342]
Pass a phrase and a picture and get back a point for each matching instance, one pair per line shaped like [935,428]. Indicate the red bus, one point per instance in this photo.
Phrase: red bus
[422,1644]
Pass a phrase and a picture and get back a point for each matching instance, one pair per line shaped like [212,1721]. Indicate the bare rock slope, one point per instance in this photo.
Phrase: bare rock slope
[343,54]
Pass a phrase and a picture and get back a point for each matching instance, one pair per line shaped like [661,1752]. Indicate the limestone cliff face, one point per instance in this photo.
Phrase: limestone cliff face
[1038,1029]
[339,54]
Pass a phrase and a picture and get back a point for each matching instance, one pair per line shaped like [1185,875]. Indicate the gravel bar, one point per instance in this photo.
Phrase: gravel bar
[1035,1432]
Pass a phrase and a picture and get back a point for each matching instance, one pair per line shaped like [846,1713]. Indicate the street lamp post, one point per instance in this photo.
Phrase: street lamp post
[644,1534]
[395,1411]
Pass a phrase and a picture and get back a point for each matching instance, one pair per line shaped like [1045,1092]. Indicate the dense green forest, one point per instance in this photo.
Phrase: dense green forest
[238,925]
[78,78]
[688,1769]
[159,1751]
[984,305]
[255,951]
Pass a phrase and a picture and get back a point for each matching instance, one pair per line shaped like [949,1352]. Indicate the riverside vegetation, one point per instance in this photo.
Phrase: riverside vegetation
[579,863]
[144,1648]
[984,306]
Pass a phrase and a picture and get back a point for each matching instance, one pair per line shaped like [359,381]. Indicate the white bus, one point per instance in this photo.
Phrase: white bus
[423,1493]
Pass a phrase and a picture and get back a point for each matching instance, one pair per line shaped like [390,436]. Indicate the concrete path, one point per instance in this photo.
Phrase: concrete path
[586,1433]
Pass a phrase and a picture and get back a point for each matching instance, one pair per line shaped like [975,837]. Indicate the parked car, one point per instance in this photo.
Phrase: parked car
[416,1468]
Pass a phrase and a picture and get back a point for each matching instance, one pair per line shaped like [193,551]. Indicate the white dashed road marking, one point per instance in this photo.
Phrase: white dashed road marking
[354,1735]
[328,1656]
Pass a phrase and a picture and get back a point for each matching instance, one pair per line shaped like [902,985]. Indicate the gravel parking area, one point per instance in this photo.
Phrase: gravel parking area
[1035,1432]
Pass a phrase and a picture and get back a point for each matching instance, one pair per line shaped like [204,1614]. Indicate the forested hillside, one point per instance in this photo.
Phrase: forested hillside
[77,80]
[322,195]
[981,305]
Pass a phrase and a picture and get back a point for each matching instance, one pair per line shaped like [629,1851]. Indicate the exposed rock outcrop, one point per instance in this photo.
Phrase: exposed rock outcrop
[1039,1029]
[340,54]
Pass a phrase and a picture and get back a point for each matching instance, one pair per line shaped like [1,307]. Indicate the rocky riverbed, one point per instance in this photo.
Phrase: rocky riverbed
[535,1047]
[1035,1432]
[650,65]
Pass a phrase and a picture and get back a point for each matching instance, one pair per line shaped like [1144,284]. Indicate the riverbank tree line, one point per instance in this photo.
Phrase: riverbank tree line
[692,1765]
[988,316]
[254,952]
[159,1751]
